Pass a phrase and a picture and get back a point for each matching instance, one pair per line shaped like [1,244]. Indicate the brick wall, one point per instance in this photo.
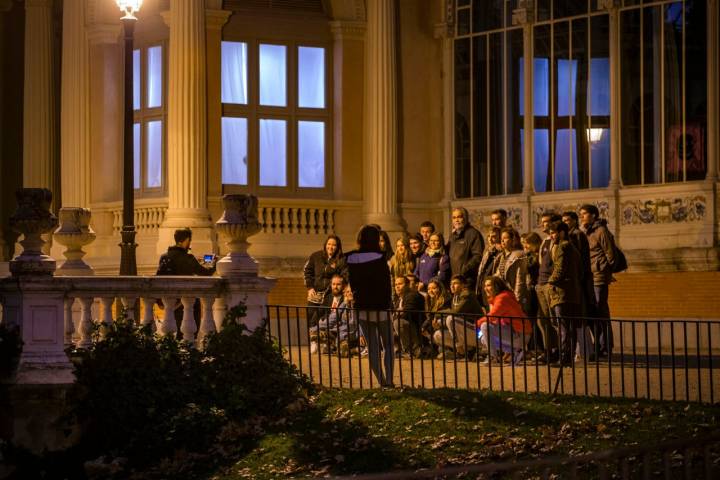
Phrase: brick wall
[634,295]
[660,295]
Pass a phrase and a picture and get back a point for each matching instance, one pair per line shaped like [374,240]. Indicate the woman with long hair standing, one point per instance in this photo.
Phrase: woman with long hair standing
[434,262]
[370,283]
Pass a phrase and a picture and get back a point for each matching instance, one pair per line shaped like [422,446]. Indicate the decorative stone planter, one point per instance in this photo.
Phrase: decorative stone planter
[238,222]
[33,219]
[74,233]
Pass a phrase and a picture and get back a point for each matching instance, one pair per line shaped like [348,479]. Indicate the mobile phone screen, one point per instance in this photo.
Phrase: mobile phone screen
[208,257]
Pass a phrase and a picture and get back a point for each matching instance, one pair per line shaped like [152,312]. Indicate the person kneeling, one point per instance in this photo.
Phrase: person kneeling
[460,332]
[505,330]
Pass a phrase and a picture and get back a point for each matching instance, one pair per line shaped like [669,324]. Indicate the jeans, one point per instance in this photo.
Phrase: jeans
[460,334]
[603,334]
[378,333]
[494,336]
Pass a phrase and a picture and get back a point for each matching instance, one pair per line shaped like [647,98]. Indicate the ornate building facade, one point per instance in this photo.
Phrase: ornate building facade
[340,112]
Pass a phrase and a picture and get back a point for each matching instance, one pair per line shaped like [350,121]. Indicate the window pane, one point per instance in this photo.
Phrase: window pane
[311,77]
[273,153]
[673,32]
[233,72]
[154,77]
[599,87]
[566,177]
[154,154]
[513,80]
[479,116]
[462,118]
[632,105]
[569,8]
[599,139]
[136,79]
[273,75]
[311,154]
[566,78]
[542,160]
[497,126]
[487,15]
[234,151]
[696,88]
[136,155]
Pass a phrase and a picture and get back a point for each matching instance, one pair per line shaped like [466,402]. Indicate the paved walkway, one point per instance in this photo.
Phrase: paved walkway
[694,382]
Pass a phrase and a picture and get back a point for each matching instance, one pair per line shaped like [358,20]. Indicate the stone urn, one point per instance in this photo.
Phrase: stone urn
[238,222]
[74,233]
[32,219]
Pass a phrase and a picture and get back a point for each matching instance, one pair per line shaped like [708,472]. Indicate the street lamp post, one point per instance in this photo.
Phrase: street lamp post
[128,263]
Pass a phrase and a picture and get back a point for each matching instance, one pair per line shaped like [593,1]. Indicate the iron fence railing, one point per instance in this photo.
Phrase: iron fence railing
[690,459]
[654,359]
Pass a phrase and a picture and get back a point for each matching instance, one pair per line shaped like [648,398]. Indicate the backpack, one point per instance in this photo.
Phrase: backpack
[620,264]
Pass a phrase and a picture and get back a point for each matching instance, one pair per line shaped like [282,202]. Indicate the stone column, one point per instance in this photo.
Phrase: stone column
[39,125]
[75,108]
[713,77]
[381,130]
[612,7]
[187,128]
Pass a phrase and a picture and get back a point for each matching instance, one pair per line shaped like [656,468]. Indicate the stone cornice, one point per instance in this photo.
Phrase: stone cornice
[215,19]
[348,29]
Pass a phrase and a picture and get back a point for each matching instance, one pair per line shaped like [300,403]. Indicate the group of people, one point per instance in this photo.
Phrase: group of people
[491,296]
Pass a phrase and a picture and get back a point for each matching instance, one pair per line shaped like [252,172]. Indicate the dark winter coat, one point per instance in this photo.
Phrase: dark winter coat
[319,270]
[178,261]
[465,250]
[567,271]
[369,277]
[602,252]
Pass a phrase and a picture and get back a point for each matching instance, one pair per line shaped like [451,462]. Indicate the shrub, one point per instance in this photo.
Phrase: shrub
[145,397]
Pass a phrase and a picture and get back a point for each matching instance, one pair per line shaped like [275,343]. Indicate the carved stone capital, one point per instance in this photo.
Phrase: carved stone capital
[215,19]
[609,4]
[348,29]
[524,14]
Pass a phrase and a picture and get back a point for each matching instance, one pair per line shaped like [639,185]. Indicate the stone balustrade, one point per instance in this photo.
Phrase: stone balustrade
[138,295]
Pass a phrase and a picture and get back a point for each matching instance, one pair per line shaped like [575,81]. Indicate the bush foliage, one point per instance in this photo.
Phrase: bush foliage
[145,397]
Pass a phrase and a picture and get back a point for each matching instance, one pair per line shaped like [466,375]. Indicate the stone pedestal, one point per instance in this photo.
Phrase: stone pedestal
[74,233]
[33,219]
[238,222]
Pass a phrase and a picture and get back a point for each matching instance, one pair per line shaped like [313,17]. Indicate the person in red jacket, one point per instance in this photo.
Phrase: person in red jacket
[505,328]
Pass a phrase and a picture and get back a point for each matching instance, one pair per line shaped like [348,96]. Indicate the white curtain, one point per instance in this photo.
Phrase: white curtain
[234,151]
[311,154]
[154,77]
[273,153]
[273,75]
[233,72]
[311,77]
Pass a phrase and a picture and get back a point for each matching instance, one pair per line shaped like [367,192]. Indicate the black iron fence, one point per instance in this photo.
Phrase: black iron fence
[654,359]
[690,459]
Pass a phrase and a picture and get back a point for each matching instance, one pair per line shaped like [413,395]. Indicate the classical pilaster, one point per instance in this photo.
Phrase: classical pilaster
[39,124]
[381,117]
[444,33]
[214,21]
[524,15]
[75,108]
[348,80]
[612,7]
[713,77]
[187,128]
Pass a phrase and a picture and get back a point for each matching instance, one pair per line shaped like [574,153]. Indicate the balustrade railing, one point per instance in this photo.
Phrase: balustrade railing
[147,218]
[297,220]
[142,293]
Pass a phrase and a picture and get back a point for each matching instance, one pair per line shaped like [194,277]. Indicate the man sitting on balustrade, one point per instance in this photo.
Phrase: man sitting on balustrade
[336,330]
[179,261]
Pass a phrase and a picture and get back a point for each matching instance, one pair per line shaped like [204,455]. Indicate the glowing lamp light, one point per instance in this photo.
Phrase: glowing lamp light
[594,135]
[129,7]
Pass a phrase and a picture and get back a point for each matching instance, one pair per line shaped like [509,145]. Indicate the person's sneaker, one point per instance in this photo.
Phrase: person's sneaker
[344,349]
[364,352]
[313,347]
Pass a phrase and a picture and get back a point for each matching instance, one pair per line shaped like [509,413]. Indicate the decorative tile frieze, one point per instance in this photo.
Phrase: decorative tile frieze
[480,218]
[664,210]
[538,210]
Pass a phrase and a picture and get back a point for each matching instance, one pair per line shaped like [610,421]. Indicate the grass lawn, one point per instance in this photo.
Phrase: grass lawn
[357,431]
